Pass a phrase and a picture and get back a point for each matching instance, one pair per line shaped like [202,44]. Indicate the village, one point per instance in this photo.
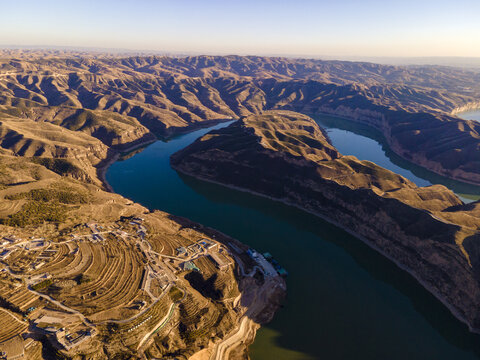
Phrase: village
[51,293]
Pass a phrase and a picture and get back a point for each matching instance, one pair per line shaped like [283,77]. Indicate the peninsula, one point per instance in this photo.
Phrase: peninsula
[286,156]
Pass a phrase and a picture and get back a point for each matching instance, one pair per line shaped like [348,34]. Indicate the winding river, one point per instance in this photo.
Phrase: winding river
[345,301]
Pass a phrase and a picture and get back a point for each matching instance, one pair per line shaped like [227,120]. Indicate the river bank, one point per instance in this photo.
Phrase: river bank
[401,266]
[107,162]
[323,262]
[375,205]
[406,141]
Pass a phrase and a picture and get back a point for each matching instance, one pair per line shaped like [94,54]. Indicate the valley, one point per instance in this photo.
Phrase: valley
[66,118]
[322,260]
[326,186]
[123,102]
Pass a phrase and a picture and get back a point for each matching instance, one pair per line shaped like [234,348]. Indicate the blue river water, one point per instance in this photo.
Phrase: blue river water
[368,144]
[471,115]
[345,301]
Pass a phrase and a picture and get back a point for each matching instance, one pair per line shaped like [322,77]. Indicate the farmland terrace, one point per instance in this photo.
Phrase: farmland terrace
[84,270]
[142,276]
[81,265]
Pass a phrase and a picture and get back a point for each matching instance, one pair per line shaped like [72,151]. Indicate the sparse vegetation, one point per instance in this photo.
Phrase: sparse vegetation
[82,279]
[175,294]
[59,193]
[42,285]
[35,213]
[62,167]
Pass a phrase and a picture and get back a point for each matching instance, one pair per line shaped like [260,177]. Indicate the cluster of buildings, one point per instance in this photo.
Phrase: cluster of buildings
[159,272]
[97,232]
[142,230]
[45,255]
[8,244]
[69,341]
[7,240]
[200,247]
[5,246]
[64,331]
[62,336]
[151,273]
[203,247]
[35,244]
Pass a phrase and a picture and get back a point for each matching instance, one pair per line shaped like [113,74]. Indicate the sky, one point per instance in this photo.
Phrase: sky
[256,27]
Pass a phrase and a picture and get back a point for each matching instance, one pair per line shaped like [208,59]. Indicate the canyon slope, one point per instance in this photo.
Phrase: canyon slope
[428,231]
[88,273]
[64,117]
[125,101]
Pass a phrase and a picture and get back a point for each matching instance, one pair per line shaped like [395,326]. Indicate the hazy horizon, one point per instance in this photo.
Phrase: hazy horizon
[306,28]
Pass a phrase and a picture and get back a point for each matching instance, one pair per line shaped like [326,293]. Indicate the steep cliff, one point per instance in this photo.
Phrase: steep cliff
[283,155]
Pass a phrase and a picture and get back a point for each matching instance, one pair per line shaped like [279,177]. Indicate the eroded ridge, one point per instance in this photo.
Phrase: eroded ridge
[428,231]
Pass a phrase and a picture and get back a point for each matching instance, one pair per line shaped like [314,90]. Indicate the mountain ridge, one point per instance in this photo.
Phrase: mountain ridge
[426,230]
[122,101]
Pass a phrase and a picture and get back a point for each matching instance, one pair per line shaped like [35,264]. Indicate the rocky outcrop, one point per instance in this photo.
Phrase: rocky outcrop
[282,155]
[474,105]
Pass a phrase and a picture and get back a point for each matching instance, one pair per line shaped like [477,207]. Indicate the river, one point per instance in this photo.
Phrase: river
[344,301]
[470,115]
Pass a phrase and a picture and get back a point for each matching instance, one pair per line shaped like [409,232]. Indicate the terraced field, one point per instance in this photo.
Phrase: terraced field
[71,264]
[206,266]
[168,247]
[57,262]
[11,325]
[197,320]
[108,276]
[215,282]
[89,271]
[33,351]
[132,330]
[22,298]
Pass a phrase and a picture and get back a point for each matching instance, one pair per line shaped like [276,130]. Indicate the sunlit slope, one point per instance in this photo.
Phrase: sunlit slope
[125,101]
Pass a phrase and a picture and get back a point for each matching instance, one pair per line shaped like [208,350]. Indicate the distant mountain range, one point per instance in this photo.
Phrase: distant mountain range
[455,61]
[122,101]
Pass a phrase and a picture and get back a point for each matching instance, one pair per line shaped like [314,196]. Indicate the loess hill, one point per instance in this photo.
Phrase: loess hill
[108,270]
[126,101]
[65,116]
[285,156]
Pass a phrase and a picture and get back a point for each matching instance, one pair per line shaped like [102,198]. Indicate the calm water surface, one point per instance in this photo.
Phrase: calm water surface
[368,144]
[470,115]
[344,300]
